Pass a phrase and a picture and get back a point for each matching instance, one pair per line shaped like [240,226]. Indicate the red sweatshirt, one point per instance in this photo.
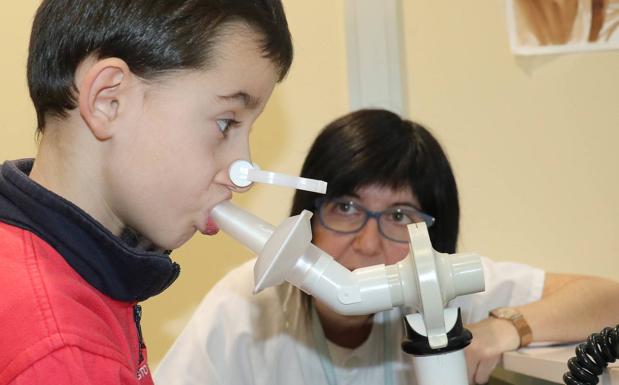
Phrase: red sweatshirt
[58,328]
[69,291]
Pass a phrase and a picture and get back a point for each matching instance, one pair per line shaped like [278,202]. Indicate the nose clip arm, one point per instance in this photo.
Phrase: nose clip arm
[243,173]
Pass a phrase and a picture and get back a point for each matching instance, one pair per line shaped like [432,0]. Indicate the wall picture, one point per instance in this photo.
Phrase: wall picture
[557,26]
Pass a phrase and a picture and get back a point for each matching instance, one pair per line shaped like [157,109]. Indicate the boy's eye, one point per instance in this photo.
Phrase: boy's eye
[225,124]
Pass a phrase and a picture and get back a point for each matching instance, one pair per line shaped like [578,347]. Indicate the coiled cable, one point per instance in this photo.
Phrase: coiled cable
[592,357]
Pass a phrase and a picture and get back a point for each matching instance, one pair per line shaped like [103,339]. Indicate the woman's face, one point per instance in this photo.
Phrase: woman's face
[366,247]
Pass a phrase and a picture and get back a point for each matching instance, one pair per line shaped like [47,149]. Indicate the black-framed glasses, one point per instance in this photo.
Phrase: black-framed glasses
[346,216]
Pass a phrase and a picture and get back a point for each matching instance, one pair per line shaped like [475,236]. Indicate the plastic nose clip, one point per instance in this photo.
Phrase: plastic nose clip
[243,173]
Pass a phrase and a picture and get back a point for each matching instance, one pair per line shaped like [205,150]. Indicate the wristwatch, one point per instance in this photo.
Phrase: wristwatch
[516,318]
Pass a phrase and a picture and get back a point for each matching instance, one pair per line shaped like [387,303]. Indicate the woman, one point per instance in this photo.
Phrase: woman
[383,173]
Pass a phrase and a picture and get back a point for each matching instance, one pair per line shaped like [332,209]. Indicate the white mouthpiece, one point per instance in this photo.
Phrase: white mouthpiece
[243,173]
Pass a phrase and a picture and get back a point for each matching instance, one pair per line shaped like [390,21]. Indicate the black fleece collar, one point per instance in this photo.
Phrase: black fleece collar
[107,262]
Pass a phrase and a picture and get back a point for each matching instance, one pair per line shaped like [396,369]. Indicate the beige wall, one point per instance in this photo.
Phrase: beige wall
[531,141]
[17,118]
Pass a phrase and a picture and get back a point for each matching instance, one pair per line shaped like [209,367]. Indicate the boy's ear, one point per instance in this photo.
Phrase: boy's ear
[102,92]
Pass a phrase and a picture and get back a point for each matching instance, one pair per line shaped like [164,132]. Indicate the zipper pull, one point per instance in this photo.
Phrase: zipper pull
[137,317]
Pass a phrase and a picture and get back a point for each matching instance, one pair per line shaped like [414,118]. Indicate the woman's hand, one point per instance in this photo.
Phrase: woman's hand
[491,337]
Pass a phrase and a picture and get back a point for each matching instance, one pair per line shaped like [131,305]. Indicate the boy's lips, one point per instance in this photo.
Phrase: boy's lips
[211,227]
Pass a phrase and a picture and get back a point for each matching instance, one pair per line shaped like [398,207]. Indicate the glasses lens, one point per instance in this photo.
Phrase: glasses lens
[394,220]
[342,215]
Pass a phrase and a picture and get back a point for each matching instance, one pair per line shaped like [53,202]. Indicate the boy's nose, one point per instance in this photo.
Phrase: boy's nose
[223,178]
[237,189]
[238,174]
[234,187]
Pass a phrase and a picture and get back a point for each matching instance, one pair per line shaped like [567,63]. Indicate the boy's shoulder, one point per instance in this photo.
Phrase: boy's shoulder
[46,306]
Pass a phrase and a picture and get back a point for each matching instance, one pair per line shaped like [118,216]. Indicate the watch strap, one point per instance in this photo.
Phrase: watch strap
[517,319]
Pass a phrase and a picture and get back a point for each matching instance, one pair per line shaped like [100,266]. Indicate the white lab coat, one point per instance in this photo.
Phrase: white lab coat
[237,338]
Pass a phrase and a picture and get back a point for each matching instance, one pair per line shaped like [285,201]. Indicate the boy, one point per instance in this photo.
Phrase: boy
[141,107]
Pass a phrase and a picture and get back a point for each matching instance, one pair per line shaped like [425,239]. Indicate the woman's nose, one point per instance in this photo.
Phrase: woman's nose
[368,240]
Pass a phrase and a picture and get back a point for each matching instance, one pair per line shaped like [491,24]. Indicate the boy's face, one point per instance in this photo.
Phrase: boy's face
[167,167]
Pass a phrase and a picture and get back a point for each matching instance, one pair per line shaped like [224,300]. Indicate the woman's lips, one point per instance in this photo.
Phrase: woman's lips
[211,227]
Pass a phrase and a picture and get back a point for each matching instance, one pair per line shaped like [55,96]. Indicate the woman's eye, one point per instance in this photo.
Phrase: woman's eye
[401,218]
[345,208]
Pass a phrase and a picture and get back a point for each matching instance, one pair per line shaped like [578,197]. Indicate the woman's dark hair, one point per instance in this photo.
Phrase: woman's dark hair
[377,147]
[151,36]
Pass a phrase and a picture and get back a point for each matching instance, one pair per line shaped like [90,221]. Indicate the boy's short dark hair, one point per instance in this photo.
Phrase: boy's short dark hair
[151,36]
